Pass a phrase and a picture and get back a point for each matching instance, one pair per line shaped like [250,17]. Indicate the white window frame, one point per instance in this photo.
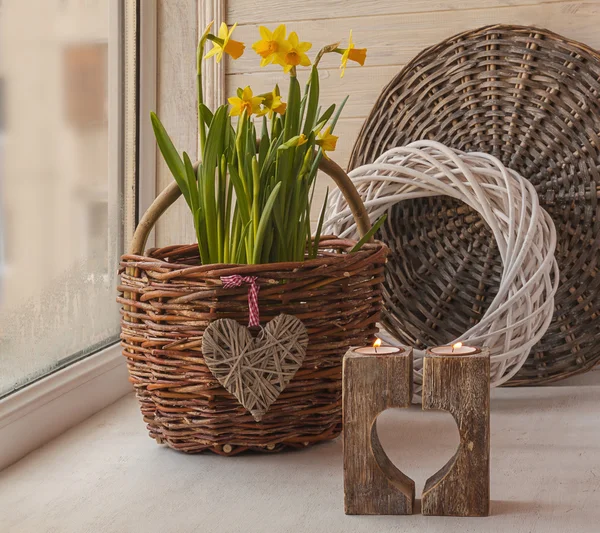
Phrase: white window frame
[49,406]
[46,408]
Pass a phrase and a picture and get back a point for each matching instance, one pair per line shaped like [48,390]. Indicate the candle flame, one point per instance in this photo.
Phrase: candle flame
[377,343]
[457,346]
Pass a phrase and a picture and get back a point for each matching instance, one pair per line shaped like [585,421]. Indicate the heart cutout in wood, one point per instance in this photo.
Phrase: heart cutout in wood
[418,442]
[255,370]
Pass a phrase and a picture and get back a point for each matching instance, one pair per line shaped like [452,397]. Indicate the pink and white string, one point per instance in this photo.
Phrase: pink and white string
[236,280]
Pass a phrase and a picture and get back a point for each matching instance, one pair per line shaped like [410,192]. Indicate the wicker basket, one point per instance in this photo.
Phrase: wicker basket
[169,299]
[530,98]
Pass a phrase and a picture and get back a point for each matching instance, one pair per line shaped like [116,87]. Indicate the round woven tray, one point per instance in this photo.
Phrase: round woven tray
[532,99]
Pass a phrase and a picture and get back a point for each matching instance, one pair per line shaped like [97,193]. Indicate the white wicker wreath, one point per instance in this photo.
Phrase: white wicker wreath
[522,309]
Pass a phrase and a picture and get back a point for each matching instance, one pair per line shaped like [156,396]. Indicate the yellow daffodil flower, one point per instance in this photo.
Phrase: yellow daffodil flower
[272,103]
[327,141]
[296,54]
[224,43]
[272,46]
[353,54]
[246,102]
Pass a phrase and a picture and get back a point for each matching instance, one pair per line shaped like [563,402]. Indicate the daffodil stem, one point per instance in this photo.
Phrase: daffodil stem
[214,39]
[318,58]
[256,195]
[326,50]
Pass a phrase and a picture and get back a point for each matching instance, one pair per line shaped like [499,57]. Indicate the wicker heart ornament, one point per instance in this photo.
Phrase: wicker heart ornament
[255,370]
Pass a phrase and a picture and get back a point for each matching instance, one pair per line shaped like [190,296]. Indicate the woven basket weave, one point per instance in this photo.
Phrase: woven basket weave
[169,299]
[532,99]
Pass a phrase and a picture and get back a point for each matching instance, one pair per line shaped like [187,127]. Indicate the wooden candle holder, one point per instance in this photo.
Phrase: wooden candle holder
[460,384]
[372,384]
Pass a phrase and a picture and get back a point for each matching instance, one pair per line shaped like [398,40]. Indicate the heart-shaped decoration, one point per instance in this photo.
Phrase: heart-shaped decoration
[418,442]
[255,370]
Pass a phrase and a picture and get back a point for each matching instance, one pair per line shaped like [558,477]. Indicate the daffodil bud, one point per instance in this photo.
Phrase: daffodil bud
[298,140]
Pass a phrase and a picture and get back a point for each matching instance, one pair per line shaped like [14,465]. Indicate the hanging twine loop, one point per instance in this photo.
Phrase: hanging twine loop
[236,280]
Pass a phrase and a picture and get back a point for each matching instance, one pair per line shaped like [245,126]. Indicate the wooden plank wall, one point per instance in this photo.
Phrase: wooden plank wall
[394,31]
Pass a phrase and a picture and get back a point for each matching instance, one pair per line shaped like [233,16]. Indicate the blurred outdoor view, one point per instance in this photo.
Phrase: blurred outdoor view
[59,204]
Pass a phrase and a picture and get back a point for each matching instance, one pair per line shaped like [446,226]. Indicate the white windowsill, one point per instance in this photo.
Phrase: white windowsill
[48,407]
[107,475]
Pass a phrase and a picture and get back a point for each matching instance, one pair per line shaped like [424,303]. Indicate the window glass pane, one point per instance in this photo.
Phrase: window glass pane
[59,203]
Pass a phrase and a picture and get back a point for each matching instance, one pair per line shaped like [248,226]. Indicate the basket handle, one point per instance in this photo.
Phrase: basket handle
[170,193]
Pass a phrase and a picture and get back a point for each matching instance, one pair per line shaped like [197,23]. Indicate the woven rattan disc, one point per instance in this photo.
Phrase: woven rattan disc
[531,98]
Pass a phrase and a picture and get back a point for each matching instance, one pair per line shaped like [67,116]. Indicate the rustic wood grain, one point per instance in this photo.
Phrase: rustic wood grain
[461,386]
[372,384]
[274,12]
[396,38]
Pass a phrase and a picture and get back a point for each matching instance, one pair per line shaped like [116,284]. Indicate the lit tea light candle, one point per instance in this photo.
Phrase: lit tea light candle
[454,349]
[377,349]
[456,379]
